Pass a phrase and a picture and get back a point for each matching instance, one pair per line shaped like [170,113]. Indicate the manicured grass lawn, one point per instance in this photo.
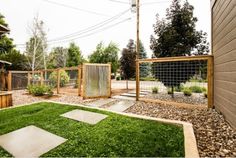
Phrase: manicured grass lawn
[115,136]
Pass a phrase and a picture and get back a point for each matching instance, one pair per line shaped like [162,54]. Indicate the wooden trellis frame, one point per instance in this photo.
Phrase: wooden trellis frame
[208,58]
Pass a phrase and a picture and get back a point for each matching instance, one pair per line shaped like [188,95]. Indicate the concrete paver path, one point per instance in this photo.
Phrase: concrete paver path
[85,116]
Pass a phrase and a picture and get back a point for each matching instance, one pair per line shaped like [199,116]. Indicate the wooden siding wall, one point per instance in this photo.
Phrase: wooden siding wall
[224,51]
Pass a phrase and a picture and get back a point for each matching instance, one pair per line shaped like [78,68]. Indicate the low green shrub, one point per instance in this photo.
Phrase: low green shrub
[148,79]
[64,78]
[204,89]
[118,78]
[179,88]
[40,90]
[155,90]
[196,89]
[187,92]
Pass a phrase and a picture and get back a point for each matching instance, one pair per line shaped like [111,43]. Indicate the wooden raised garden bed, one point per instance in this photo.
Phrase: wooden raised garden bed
[5,99]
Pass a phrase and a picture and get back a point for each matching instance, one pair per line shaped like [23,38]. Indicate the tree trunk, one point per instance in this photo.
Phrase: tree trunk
[127,84]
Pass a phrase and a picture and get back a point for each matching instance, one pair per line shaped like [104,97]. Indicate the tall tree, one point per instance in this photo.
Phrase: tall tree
[144,67]
[177,36]
[127,61]
[107,54]
[17,59]
[36,46]
[74,57]
[6,43]
[58,57]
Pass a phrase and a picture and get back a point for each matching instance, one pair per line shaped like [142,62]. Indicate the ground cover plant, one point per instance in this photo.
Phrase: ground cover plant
[115,136]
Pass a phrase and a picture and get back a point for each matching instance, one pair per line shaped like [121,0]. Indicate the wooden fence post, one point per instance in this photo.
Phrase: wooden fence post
[79,80]
[28,78]
[9,81]
[58,81]
[41,77]
[210,79]
[137,80]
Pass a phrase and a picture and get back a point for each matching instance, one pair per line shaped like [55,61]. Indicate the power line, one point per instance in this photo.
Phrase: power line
[91,27]
[86,30]
[75,8]
[97,31]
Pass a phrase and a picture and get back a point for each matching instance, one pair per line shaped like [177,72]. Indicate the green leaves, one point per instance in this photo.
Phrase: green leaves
[104,54]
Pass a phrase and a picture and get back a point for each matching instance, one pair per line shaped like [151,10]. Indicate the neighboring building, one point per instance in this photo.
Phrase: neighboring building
[224,51]
[3,29]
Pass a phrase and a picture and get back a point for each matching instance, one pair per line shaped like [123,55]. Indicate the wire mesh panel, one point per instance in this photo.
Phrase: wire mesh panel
[179,80]
[96,80]
[19,80]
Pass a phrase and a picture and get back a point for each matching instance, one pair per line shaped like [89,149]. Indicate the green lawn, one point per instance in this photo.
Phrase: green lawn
[115,136]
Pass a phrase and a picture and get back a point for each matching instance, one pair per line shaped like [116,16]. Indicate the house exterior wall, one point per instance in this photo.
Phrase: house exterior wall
[224,52]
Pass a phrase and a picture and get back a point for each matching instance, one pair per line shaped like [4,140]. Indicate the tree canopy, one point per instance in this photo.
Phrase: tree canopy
[104,54]
[177,36]
[127,60]
[74,57]
[6,43]
[58,58]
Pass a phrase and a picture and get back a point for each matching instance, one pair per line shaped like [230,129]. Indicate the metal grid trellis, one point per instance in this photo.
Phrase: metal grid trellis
[166,79]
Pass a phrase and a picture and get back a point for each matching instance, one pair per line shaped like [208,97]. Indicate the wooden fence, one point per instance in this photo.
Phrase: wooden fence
[25,78]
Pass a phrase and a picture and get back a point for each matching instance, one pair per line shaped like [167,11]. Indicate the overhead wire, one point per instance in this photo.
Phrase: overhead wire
[86,30]
[75,8]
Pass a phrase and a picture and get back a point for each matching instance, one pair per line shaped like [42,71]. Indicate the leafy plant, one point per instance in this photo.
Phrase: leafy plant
[205,94]
[155,90]
[64,78]
[40,90]
[196,89]
[179,88]
[187,92]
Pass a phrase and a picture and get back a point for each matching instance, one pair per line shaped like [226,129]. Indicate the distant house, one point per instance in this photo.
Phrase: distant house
[224,51]
[3,29]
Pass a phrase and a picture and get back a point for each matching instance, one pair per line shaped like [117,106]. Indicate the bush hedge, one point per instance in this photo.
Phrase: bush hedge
[64,78]
[40,90]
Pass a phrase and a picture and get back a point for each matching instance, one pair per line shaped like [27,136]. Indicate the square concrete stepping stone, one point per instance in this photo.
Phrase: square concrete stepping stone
[100,102]
[29,141]
[85,116]
[121,106]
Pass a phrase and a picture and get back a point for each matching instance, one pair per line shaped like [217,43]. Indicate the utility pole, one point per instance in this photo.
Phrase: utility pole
[137,52]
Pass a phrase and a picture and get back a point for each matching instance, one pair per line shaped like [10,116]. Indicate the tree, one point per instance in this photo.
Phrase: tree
[74,57]
[107,54]
[177,36]
[127,61]
[17,59]
[58,57]
[36,46]
[6,43]
[144,67]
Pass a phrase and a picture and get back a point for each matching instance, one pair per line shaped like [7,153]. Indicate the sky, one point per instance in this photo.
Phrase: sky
[89,22]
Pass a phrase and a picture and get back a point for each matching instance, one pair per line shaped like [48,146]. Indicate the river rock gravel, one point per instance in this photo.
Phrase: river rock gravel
[215,137]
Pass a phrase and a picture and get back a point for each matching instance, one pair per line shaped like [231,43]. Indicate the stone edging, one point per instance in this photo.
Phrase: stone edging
[189,137]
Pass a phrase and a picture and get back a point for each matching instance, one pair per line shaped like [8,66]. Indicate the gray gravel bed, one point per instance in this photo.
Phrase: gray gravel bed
[214,135]
[21,97]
